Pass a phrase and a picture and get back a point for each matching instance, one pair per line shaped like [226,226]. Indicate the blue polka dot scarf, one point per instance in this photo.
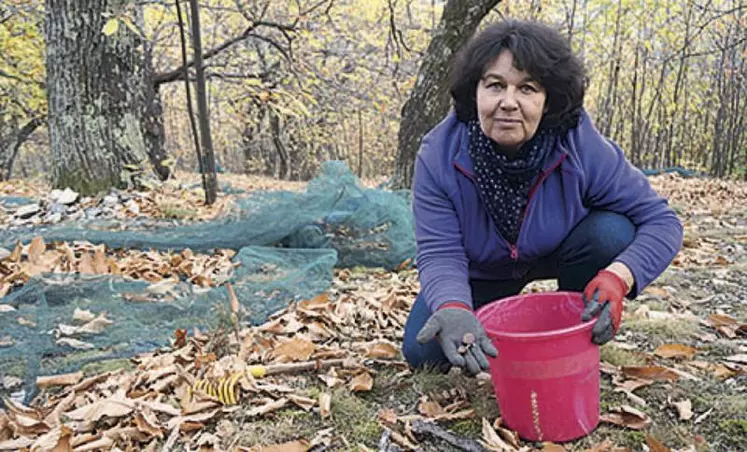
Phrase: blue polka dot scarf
[504,184]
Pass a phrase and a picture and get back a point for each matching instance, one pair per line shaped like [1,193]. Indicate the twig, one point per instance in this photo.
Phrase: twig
[275,369]
[430,428]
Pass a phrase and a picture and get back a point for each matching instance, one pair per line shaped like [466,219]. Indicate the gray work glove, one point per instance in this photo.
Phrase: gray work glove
[461,336]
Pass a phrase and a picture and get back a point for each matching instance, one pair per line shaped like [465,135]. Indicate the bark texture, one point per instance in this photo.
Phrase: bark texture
[429,100]
[95,95]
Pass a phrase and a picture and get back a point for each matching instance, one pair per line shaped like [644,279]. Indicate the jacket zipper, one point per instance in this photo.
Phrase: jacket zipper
[512,246]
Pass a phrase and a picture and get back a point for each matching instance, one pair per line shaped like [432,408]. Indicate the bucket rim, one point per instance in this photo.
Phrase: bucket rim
[539,336]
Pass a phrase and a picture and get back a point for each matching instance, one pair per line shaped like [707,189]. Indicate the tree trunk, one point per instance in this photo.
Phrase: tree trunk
[94,88]
[10,148]
[210,181]
[429,100]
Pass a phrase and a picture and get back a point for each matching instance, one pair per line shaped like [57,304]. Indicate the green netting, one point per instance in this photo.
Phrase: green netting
[287,243]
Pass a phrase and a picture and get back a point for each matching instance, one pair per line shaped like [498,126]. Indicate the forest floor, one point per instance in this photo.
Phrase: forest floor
[675,377]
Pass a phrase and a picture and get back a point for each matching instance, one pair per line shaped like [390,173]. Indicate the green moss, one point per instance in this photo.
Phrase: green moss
[355,418]
[468,427]
[734,427]
[619,357]
[662,330]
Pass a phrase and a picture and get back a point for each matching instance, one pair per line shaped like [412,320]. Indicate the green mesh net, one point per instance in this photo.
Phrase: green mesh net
[288,244]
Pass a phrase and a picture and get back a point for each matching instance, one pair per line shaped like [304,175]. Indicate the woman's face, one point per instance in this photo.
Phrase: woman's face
[510,103]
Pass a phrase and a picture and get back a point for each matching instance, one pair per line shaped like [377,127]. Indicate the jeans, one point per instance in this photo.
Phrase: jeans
[592,245]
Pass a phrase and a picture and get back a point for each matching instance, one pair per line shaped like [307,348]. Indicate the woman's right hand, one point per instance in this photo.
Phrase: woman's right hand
[462,338]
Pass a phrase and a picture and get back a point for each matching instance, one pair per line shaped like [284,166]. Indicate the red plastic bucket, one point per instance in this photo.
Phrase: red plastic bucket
[546,375]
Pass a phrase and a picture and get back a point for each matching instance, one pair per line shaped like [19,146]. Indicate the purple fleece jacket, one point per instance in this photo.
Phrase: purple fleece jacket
[457,240]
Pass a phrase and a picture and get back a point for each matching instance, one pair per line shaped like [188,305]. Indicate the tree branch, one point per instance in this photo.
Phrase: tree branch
[177,74]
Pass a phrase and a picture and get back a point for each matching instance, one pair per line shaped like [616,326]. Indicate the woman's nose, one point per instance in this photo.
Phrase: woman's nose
[508,100]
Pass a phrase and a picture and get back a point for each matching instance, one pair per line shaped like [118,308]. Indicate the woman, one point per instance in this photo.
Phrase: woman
[517,184]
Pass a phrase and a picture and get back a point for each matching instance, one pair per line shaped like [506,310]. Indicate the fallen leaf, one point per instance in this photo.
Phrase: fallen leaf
[16,444]
[655,445]
[675,351]
[267,407]
[146,422]
[361,382]
[59,380]
[85,264]
[741,358]
[104,443]
[626,416]
[6,308]
[388,417]
[296,349]
[82,315]
[510,436]
[491,440]
[726,325]
[382,350]
[552,447]
[304,402]
[292,446]
[655,373]
[325,404]
[96,325]
[36,249]
[181,338]
[684,409]
[194,418]
[56,440]
[74,343]
[429,408]
[6,341]
[116,406]
[633,384]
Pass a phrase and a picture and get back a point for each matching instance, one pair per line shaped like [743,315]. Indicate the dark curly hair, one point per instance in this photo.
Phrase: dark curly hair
[537,49]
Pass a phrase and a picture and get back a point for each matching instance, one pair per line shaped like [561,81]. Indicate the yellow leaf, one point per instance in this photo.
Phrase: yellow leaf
[296,349]
[111,27]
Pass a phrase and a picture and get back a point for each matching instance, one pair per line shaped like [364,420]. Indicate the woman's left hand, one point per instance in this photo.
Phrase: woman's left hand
[604,296]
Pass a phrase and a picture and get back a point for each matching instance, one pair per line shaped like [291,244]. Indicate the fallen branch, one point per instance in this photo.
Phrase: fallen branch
[423,427]
[275,369]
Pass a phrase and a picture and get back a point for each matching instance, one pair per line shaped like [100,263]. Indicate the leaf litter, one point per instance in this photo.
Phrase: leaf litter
[343,337]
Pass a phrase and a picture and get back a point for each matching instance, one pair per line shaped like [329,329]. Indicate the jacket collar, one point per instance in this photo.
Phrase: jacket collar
[463,161]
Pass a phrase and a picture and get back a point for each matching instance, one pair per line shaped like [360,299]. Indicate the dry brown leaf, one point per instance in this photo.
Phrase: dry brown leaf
[740,358]
[147,423]
[59,380]
[82,315]
[325,405]
[267,407]
[361,382]
[16,444]
[655,445]
[104,443]
[292,446]
[318,303]
[491,440]
[655,373]
[509,435]
[382,350]
[194,419]
[304,402]
[684,409]
[116,406]
[99,263]
[429,408]
[552,447]
[74,343]
[725,324]
[36,249]
[388,417]
[722,372]
[56,440]
[6,341]
[626,416]
[296,349]
[85,264]
[96,325]
[633,384]
[675,351]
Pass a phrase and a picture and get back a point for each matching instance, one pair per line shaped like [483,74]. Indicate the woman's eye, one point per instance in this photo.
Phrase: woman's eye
[527,89]
[495,85]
